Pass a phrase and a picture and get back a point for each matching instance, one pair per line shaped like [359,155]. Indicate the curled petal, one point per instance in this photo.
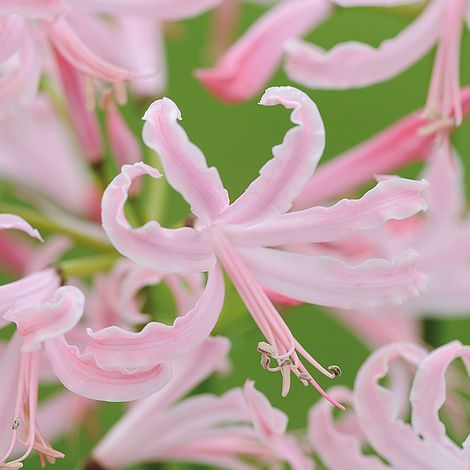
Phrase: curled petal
[157,342]
[74,50]
[167,250]
[268,421]
[12,30]
[14,222]
[282,178]
[428,393]
[249,63]
[392,199]
[81,375]
[184,164]
[31,8]
[42,321]
[378,409]
[373,3]
[165,10]
[355,64]
[326,437]
[328,281]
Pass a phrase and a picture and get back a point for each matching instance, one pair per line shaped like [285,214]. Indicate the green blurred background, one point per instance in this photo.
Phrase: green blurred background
[237,139]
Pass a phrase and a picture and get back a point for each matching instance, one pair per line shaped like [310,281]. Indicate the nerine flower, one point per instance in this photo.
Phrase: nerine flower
[243,236]
[379,418]
[355,64]
[227,431]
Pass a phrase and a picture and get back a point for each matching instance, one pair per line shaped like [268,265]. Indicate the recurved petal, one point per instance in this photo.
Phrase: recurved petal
[38,322]
[157,342]
[391,199]
[14,222]
[354,64]
[377,409]
[184,164]
[243,70]
[328,281]
[326,437]
[166,250]
[12,30]
[81,375]
[282,178]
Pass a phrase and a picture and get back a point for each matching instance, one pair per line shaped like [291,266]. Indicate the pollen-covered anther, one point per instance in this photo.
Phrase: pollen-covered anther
[335,370]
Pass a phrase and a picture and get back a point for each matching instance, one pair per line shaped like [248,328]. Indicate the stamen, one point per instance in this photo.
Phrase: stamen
[435,126]
[120,92]
[335,370]
[90,94]
[16,424]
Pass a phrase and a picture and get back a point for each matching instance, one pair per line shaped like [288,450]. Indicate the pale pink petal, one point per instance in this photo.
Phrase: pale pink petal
[19,76]
[428,394]
[81,375]
[328,281]
[245,68]
[446,193]
[269,422]
[377,410]
[338,449]
[184,164]
[374,3]
[85,121]
[167,250]
[36,287]
[392,199]
[282,178]
[75,51]
[47,254]
[9,372]
[42,321]
[188,372]
[396,146]
[14,222]
[165,10]
[157,342]
[40,152]
[31,8]
[12,31]
[355,64]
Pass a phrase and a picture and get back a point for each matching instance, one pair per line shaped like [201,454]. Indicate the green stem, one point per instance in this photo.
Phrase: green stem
[45,222]
[87,266]
[156,193]
[431,330]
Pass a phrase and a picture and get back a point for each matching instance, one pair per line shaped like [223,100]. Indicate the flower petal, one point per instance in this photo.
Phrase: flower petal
[326,437]
[328,281]
[428,393]
[188,372]
[167,250]
[39,322]
[113,346]
[282,178]
[184,164]
[377,411]
[392,199]
[12,30]
[14,222]
[75,51]
[243,70]
[81,375]
[355,64]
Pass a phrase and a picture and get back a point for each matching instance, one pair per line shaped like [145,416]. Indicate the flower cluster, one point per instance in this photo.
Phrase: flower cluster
[94,262]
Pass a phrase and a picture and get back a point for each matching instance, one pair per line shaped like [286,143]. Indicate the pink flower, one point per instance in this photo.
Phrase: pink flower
[247,66]
[379,415]
[238,235]
[355,64]
[206,429]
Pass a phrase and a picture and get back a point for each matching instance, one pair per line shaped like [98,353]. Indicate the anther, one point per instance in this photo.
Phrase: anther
[335,370]
[265,348]
[16,424]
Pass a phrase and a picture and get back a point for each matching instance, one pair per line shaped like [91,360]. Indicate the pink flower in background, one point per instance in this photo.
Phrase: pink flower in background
[227,431]
[378,418]
[243,70]
[355,64]
[238,235]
